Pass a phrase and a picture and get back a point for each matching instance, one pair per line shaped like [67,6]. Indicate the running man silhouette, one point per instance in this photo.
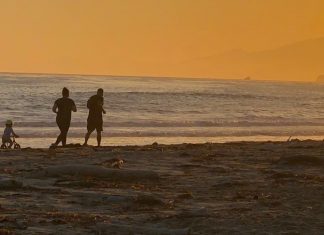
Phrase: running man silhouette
[95,122]
[63,108]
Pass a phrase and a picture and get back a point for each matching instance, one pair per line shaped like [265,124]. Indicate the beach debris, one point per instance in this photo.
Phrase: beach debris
[117,164]
[289,138]
[114,163]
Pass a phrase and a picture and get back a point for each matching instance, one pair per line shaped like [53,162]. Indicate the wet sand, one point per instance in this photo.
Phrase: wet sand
[231,188]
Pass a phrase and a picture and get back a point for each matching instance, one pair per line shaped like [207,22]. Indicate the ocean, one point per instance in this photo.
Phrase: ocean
[143,110]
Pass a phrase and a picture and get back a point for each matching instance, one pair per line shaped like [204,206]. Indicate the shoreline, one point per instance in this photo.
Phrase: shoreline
[126,141]
[93,145]
[211,188]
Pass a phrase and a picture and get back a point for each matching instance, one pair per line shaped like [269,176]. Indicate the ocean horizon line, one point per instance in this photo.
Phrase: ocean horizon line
[243,78]
[112,75]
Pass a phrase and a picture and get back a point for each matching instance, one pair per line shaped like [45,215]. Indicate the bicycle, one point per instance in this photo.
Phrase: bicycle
[15,145]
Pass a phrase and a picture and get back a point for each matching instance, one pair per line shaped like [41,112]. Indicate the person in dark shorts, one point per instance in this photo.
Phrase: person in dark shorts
[63,108]
[95,122]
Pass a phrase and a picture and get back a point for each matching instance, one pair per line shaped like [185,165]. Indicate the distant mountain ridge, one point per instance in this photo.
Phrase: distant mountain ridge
[302,60]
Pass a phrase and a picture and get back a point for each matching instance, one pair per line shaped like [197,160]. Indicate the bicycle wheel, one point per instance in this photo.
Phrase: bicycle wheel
[17,146]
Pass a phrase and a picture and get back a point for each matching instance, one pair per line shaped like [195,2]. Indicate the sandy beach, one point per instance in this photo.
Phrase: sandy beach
[231,188]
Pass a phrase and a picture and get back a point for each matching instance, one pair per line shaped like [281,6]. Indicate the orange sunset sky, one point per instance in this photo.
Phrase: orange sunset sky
[263,39]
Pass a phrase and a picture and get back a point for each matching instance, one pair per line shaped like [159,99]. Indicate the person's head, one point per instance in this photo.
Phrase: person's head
[65,92]
[9,123]
[100,92]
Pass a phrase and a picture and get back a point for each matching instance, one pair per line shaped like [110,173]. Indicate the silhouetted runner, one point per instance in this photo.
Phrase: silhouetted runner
[63,108]
[95,122]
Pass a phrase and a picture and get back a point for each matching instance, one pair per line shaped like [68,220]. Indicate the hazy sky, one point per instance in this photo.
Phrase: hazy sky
[145,37]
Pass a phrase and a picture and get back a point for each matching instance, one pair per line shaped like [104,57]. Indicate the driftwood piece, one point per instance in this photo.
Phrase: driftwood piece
[79,170]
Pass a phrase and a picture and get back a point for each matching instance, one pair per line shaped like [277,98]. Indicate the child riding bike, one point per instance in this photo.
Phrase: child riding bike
[7,142]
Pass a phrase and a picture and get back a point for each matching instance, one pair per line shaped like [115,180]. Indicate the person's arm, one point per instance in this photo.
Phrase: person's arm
[74,109]
[14,134]
[54,109]
[89,103]
[103,110]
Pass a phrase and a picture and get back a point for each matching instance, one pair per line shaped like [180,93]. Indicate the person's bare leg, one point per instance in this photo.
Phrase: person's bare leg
[64,135]
[99,138]
[86,138]
[60,137]
[58,140]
